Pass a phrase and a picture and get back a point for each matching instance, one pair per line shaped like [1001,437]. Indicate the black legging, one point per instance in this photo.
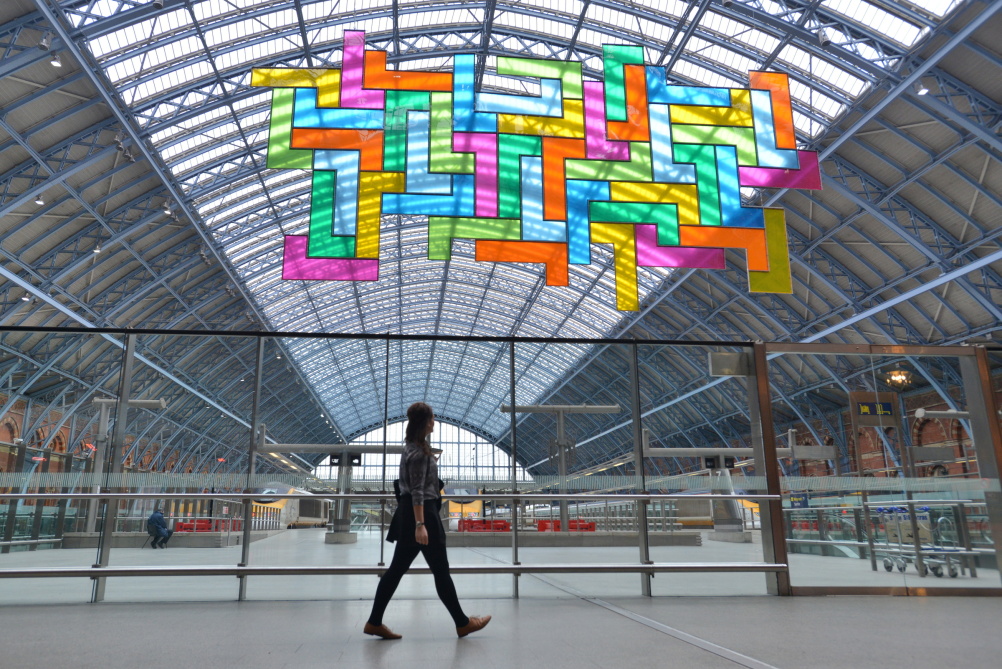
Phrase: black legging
[403,556]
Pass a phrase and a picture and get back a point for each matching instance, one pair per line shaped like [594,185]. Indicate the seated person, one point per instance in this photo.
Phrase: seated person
[157,528]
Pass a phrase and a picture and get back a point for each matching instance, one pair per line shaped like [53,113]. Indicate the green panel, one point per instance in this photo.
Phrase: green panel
[511,149]
[637,168]
[568,73]
[741,138]
[443,229]
[614,57]
[704,157]
[664,215]
[322,244]
[398,103]
[442,158]
[280,155]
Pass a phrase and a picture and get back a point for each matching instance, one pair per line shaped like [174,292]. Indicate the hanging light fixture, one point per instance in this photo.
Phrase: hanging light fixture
[39,200]
[45,42]
[898,378]
[55,61]
[920,89]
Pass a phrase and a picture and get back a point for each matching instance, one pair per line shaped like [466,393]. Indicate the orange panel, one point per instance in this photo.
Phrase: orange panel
[782,111]
[377,76]
[636,127]
[752,240]
[368,142]
[552,254]
[555,151]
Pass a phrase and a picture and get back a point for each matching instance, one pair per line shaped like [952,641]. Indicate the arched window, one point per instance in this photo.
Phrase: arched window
[465,457]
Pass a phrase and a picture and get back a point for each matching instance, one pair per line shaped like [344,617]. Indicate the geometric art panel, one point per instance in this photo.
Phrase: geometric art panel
[652,170]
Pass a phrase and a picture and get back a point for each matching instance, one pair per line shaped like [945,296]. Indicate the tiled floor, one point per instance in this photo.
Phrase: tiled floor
[580,621]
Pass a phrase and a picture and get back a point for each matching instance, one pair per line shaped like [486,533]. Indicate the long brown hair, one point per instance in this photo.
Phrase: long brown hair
[418,415]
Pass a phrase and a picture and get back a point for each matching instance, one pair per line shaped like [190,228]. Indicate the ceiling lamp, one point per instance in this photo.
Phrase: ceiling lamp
[55,61]
[39,200]
[920,89]
[898,378]
[45,42]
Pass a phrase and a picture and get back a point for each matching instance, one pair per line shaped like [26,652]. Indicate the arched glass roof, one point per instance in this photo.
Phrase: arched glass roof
[155,141]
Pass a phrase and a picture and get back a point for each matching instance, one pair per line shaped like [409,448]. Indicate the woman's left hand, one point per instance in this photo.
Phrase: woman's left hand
[421,535]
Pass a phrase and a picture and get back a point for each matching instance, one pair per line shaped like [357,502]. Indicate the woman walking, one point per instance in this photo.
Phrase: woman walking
[417,528]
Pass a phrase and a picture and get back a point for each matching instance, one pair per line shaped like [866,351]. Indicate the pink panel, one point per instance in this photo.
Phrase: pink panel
[485,145]
[352,73]
[597,145]
[807,177]
[295,265]
[649,254]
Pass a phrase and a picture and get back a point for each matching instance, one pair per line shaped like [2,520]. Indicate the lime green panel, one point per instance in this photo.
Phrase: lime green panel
[443,229]
[568,73]
[614,57]
[280,154]
[637,168]
[512,148]
[442,158]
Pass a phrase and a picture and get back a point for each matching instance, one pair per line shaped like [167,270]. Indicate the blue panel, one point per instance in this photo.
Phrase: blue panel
[459,203]
[659,92]
[765,135]
[419,179]
[307,115]
[345,163]
[732,213]
[550,102]
[665,169]
[534,227]
[464,119]
[579,193]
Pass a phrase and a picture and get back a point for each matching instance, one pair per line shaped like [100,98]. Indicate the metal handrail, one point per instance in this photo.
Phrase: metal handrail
[607,568]
[375,496]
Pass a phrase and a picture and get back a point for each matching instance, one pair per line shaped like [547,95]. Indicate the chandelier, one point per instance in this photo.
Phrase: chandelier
[898,378]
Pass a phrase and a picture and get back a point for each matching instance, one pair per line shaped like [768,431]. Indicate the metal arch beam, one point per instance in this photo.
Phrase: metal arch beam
[909,81]
[877,213]
[129,125]
[940,110]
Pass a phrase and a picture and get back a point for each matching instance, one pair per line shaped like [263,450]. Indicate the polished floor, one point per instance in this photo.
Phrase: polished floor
[579,621]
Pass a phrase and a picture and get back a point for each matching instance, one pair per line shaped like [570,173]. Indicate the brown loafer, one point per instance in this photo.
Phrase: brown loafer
[474,625]
[381,631]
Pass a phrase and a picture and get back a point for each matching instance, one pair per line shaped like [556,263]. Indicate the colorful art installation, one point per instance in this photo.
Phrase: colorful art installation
[651,169]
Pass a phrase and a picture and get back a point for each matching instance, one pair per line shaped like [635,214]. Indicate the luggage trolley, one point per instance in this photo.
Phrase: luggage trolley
[913,534]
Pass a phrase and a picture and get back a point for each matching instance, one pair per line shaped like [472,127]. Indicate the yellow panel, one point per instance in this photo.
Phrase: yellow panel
[738,114]
[778,279]
[571,125]
[684,195]
[371,186]
[328,82]
[624,248]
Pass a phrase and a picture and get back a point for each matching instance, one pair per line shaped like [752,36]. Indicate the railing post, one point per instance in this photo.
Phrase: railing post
[256,434]
[638,459]
[113,465]
[764,442]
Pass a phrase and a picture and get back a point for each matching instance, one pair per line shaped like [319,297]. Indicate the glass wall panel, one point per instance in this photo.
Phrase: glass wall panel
[586,448]
[885,488]
[702,418]
[48,445]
